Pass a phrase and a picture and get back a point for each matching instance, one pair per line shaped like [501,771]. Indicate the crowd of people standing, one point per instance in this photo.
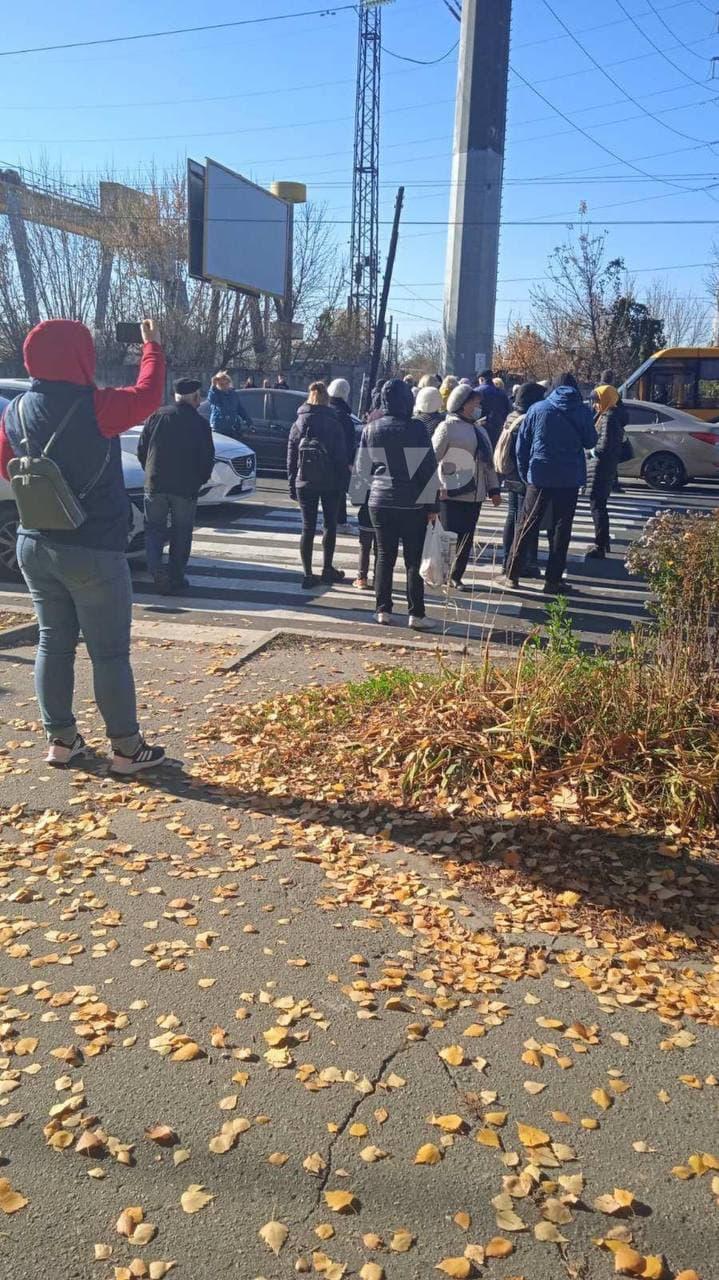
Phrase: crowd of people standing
[440,450]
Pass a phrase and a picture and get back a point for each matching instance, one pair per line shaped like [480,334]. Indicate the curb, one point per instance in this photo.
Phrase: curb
[268,638]
[24,633]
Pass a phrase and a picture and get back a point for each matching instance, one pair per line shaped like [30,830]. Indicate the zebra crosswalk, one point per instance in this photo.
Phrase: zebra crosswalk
[245,568]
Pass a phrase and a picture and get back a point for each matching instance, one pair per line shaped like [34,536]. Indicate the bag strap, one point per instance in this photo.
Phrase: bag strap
[574,429]
[56,436]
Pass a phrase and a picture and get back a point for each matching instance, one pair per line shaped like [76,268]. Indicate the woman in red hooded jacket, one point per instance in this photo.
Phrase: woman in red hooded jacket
[78,578]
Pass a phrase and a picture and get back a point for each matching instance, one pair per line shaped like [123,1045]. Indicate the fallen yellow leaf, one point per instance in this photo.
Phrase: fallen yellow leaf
[401,1241]
[488,1138]
[453,1054]
[10,1200]
[448,1124]
[340,1201]
[498,1247]
[274,1235]
[428,1154]
[463,1221]
[531,1137]
[195,1198]
[459,1268]
[372,1271]
[627,1262]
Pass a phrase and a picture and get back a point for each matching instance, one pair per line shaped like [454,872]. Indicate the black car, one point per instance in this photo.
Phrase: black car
[272,412]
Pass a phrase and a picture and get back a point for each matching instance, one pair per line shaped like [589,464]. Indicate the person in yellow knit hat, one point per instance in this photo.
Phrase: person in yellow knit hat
[609,422]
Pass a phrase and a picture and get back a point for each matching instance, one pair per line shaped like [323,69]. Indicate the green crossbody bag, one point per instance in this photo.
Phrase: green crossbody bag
[43,496]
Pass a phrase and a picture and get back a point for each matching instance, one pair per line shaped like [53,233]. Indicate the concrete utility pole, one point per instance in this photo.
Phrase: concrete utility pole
[476,197]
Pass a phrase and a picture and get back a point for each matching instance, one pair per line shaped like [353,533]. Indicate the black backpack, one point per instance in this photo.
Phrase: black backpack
[315,468]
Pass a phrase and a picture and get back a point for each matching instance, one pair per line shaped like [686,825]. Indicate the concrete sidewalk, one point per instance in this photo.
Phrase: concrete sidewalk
[298,961]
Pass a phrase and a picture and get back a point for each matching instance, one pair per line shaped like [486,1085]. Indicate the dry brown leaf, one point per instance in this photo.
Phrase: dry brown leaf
[195,1198]
[488,1138]
[498,1247]
[549,1233]
[103,1252]
[128,1220]
[602,1099]
[11,1201]
[274,1235]
[278,1158]
[687,1275]
[372,1241]
[158,1269]
[187,1052]
[372,1271]
[89,1143]
[358,1130]
[448,1124]
[401,1241]
[463,1221]
[453,1054]
[534,1087]
[627,1261]
[371,1154]
[428,1154]
[459,1268]
[162,1134]
[324,1231]
[340,1201]
[180,1156]
[655,1267]
[531,1137]
[144,1233]
[314,1163]
[619,1201]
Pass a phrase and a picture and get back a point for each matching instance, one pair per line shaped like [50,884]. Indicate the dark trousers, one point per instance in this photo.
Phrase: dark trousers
[602,485]
[368,544]
[309,505]
[393,525]
[460,518]
[161,509]
[561,505]
[515,507]
[342,509]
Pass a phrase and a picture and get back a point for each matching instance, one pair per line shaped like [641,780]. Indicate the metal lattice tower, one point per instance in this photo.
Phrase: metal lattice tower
[364,249]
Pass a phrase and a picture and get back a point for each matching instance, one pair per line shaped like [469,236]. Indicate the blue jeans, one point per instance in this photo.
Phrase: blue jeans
[515,508]
[161,509]
[78,589]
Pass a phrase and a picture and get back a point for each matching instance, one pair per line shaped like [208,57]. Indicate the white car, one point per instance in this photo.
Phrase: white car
[234,475]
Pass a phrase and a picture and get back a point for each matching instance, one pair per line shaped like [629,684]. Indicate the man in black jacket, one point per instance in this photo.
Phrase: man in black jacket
[178,455]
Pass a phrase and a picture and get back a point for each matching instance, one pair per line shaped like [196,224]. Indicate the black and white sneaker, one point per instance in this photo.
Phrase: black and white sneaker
[59,753]
[144,758]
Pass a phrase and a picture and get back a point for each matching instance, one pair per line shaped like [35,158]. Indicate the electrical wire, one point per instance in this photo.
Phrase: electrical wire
[658,14]
[421,62]
[617,85]
[608,151]
[662,53]
[326,12]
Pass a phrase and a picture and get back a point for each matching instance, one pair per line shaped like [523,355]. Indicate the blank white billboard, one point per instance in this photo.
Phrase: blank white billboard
[245,233]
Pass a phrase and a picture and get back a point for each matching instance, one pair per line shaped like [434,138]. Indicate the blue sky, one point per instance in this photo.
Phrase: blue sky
[277,101]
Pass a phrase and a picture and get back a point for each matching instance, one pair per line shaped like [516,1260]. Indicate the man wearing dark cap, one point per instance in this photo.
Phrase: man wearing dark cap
[178,455]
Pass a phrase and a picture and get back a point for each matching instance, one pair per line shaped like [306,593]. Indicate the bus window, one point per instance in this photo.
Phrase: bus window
[708,385]
[673,382]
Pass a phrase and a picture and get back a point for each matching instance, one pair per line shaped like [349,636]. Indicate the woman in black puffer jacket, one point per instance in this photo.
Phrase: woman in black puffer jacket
[317,471]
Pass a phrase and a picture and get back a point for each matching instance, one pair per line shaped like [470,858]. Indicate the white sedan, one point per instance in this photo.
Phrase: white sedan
[234,475]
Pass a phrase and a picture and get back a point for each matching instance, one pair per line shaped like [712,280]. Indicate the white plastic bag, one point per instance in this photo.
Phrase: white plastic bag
[438,555]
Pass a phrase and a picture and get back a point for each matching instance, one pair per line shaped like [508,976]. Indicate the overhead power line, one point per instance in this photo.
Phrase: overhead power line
[658,49]
[326,12]
[617,84]
[658,14]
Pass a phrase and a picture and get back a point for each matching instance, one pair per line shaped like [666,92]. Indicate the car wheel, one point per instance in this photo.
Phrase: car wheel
[9,570]
[664,471]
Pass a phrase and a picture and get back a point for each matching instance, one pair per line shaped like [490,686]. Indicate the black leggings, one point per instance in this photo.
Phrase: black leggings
[309,504]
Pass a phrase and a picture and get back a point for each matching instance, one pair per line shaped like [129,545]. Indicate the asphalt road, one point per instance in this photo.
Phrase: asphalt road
[245,573]
[166,901]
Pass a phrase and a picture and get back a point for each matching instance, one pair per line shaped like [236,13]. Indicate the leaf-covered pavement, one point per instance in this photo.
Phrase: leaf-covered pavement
[250,1035]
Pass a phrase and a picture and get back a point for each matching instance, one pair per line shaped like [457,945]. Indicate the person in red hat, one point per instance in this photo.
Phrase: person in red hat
[78,577]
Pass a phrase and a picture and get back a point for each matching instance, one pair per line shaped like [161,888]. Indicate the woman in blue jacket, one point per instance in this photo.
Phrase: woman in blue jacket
[227,416]
[551,462]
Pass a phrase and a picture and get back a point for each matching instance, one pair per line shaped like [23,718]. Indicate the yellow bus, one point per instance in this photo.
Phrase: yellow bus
[684,377]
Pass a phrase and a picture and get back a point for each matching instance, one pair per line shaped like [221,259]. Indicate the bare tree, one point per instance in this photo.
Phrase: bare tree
[687,319]
[422,353]
[571,312]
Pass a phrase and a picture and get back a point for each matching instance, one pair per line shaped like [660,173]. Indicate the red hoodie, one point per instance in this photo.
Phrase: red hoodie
[63,351]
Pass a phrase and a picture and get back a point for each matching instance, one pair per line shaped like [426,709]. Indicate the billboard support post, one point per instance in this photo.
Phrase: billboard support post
[292,193]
